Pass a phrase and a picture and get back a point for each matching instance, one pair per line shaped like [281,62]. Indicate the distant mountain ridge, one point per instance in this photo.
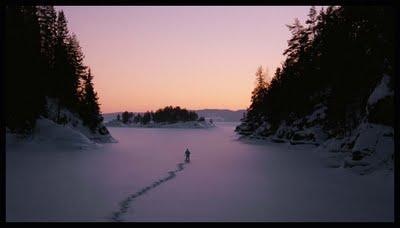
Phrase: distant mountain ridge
[218,115]
[223,115]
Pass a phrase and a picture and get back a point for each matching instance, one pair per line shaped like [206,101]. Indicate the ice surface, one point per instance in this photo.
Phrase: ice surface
[226,180]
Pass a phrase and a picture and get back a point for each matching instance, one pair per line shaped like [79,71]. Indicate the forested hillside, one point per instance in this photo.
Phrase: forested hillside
[334,87]
[45,73]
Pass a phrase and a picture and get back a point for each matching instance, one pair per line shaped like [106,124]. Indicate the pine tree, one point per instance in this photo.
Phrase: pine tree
[61,29]
[146,118]
[138,118]
[76,57]
[62,68]
[69,68]
[295,43]
[90,110]
[125,117]
[255,110]
[47,17]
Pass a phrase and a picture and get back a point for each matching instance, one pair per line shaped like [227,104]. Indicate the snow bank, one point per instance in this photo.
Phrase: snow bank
[47,132]
[369,148]
[100,135]
[188,124]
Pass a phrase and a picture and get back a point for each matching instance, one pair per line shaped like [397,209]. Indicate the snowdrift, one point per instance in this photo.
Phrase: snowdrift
[71,134]
[47,132]
[100,135]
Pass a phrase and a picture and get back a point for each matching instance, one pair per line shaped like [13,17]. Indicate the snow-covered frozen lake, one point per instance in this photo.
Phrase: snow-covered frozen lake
[226,180]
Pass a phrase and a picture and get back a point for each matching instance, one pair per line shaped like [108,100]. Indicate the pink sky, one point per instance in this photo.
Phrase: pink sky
[147,57]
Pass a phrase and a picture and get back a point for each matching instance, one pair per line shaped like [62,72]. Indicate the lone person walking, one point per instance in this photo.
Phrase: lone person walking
[187,155]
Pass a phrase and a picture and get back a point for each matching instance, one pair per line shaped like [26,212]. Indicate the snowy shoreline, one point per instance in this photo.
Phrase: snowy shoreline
[365,147]
[373,140]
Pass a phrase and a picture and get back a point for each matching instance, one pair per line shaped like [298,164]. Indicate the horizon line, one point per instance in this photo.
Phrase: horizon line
[221,109]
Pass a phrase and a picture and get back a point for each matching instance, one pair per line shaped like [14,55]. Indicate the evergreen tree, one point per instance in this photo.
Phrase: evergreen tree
[90,111]
[125,117]
[47,17]
[79,70]
[146,118]
[138,118]
[69,70]
[255,111]
[43,60]
[62,68]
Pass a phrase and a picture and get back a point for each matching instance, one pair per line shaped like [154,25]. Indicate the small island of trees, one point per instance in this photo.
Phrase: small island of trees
[168,114]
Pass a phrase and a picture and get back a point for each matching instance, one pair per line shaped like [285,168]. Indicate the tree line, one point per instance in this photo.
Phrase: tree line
[167,114]
[336,59]
[44,60]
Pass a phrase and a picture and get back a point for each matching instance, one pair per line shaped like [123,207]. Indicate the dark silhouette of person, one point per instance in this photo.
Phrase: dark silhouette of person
[187,155]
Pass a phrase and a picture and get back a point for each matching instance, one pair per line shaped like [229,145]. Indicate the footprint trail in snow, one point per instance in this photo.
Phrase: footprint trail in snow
[125,204]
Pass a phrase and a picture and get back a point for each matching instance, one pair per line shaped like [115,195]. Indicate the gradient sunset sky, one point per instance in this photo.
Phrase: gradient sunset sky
[147,57]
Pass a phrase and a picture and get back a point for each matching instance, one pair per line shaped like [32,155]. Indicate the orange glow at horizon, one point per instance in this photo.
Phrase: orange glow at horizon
[145,58]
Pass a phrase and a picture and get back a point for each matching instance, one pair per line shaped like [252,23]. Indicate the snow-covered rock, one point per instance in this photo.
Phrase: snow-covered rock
[263,130]
[370,147]
[331,145]
[379,108]
[373,147]
[381,91]
[244,129]
[306,130]
[312,135]
[283,133]
[318,114]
